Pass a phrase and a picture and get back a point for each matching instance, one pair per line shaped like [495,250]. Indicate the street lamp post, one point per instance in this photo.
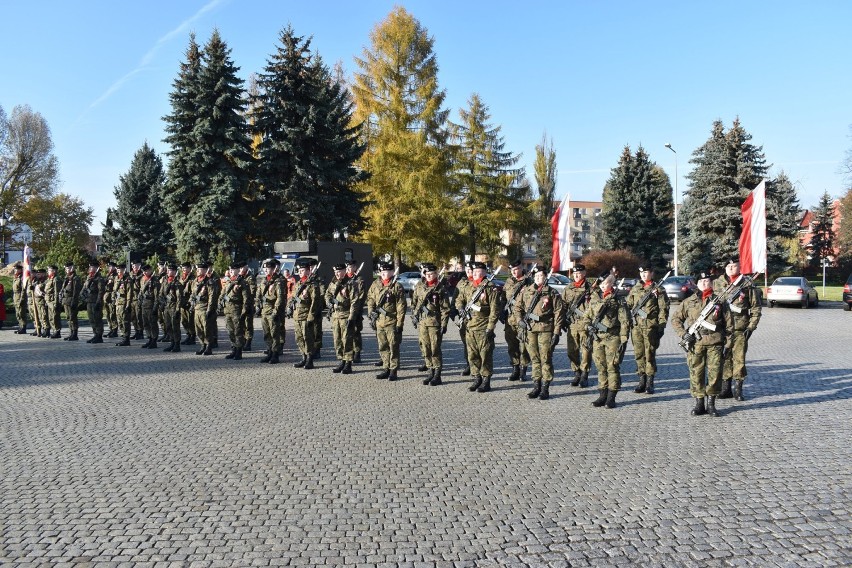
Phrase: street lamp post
[669,146]
[3,220]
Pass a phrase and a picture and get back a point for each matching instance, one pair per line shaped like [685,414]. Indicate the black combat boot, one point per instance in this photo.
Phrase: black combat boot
[87,341]
[201,349]
[726,390]
[436,378]
[641,386]
[139,335]
[238,356]
[163,337]
[466,371]
[175,347]
[384,374]
[170,347]
[190,340]
[516,373]
[209,349]
[584,381]
[347,368]
[266,358]
[545,391]
[232,354]
[392,375]
[423,368]
[309,363]
[357,358]
[274,359]
[113,333]
[316,354]
[649,386]
[601,400]
[578,376]
[523,376]
[610,399]
[99,338]
[247,346]
[379,363]
[711,407]
[153,343]
[301,363]
[429,377]
[738,391]
[55,335]
[486,384]
[536,390]
[477,382]
[339,368]
[698,409]
[124,342]
[147,344]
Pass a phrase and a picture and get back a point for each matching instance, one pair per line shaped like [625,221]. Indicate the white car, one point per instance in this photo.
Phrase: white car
[408,280]
[792,290]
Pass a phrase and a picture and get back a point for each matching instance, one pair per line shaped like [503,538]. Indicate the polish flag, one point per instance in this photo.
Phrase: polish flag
[28,252]
[560,228]
[753,237]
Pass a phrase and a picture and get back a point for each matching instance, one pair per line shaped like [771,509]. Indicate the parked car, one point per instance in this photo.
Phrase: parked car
[792,290]
[679,288]
[623,287]
[847,294]
[558,282]
[408,280]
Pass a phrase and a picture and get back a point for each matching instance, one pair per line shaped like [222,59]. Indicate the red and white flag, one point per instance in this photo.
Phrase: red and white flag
[560,228]
[753,237]
[27,263]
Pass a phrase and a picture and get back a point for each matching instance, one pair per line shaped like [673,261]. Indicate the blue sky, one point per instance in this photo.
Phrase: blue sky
[594,76]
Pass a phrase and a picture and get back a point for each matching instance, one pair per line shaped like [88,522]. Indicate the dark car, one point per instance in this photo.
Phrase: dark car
[847,294]
[679,288]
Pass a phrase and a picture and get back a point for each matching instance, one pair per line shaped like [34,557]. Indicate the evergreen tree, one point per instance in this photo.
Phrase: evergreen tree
[399,103]
[489,197]
[142,222]
[822,241]
[545,179]
[638,209]
[782,223]
[307,149]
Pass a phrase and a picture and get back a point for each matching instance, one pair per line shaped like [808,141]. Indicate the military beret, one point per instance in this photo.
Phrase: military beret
[135,262]
[69,264]
[646,269]
[385,266]
[18,266]
[52,267]
[340,266]
[41,271]
[702,275]
[477,264]
[352,262]
[302,262]
[579,268]
[203,264]
[94,262]
[732,260]
[146,267]
[171,266]
[161,262]
[536,269]
[120,267]
[428,267]
[271,262]
[186,265]
[469,264]
[515,264]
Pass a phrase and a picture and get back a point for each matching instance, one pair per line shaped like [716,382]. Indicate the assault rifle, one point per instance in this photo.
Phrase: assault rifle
[379,307]
[742,282]
[529,317]
[291,305]
[693,334]
[506,312]
[573,313]
[467,312]
[594,329]
[416,311]
[638,309]
[337,286]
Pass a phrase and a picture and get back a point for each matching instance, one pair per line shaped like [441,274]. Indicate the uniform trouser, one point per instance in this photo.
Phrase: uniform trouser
[305,340]
[578,354]
[136,317]
[204,324]
[248,323]
[463,336]
[111,316]
[171,322]
[53,316]
[21,314]
[149,321]
[646,340]
[317,334]
[389,346]
[95,312]
[43,312]
[734,365]
[33,309]
[273,331]
[705,370]
[235,324]
[343,344]
[187,318]
[123,315]
[71,317]
[357,341]
[480,352]
[541,355]
[606,356]
[430,346]
[518,353]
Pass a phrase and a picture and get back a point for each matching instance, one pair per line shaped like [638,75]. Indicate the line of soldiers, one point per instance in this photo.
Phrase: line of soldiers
[596,322]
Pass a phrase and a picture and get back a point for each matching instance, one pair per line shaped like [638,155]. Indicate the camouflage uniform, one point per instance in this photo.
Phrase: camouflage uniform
[248,314]
[205,295]
[607,348]
[479,329]
[51,297]
[307,306]
[343,307]
[135,306]
[93,292]
[544,311]
[236,302]
[19,299]
[359,295]
[746,311]
[518,355]
[39,295]
[649,325]
[148,292]
[172,298]
[70,294]
[579,355]
[123,297]
[430,307]
[272,295]
[386,306]
[109,301]
[187,317]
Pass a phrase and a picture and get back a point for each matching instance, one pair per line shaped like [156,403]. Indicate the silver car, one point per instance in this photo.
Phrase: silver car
[408,280]
[679,288]
[792,290]
[558,282]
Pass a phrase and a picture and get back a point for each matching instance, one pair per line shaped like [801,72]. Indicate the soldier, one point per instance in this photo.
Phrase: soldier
[430,310]
[386,306]
[307,306]
[148,292]
[187,317]
[135,306]
[39,307]
[109,299]
[540,312]
[513,290]
[577,298]
[235,295]
[341,299]
[69,297]
[19,298]
[205,297]
[161,275]
[171,298]
[482,301]
[248,314]
[359,292]
[272,298]
[53,301]
[649,325]
[462,284]
[607,324]
[93,294]
[746,310]
[705,350]
[122,298]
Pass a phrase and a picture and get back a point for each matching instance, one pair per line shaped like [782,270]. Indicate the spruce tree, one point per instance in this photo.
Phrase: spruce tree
[822,241]
[307,148]
[782,223]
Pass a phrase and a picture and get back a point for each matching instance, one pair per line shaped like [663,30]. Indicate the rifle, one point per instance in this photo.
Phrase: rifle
[693,334]
[337,286]
[525,324]
[467,312]
[638,308]
[573,313]
[594,329]
[291,305]
[506,312]
[379,309]
[417,310]
[742,282]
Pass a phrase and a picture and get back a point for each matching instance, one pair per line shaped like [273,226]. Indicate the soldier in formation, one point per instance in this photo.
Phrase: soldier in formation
[122,299]
[109,299]
[386,306]
[344,307]
[171,300]
[649,308]
[93,295]
[306,307]
[272,300]
[135,306]
[236,299]
[478,304]
[19,298]
[248,314]
[187,317]
[577,298]
[205,297]
[513,290]
[148,291]
[69,297]
[360,294]
[608,327]
[430,312]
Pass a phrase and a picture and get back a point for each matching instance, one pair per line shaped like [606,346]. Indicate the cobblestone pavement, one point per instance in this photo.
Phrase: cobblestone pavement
[121,456]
